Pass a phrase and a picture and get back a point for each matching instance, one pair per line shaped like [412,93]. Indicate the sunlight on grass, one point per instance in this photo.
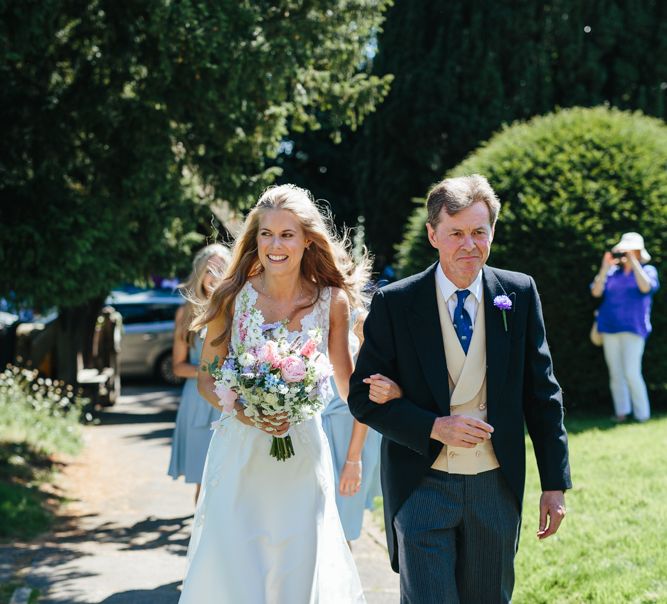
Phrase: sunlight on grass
[612,545]
[39,412]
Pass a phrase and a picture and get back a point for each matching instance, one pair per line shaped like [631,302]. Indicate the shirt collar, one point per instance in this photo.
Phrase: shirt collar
[448,289]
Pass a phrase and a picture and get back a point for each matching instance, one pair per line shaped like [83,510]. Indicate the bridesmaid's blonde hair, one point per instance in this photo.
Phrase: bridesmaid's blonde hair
[326,263]
[192,288]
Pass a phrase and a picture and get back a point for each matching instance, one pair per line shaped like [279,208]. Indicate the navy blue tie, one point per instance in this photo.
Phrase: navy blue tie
[462,322]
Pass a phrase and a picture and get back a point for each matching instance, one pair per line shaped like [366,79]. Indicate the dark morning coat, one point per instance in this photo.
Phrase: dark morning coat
[403,340]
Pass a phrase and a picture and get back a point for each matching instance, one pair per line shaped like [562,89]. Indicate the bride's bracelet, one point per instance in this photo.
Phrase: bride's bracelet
[353,463]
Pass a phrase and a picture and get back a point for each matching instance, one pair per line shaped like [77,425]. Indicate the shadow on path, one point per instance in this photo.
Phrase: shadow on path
[149,405]
[151,533]
[165,594]
[56,560]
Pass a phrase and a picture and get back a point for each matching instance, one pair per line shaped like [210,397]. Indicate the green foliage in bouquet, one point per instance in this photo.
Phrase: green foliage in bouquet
[571,183]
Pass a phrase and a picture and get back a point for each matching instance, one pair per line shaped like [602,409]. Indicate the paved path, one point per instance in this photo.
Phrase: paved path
[125,533]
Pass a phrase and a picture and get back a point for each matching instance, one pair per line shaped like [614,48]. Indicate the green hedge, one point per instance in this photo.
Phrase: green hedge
[571,183]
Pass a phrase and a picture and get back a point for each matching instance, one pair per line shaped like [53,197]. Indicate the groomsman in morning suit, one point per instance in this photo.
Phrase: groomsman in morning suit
[466,344]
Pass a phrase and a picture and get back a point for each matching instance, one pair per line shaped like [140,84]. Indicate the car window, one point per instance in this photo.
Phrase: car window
[146,313]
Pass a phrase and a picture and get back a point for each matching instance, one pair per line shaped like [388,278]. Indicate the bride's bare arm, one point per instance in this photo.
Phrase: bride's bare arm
[209,354]
[339,348]
[382,389]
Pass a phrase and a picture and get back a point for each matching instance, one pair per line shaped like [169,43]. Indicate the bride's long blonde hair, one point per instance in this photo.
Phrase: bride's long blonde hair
[326,263]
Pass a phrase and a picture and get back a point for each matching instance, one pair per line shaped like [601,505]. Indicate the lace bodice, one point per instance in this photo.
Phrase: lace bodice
[248,316]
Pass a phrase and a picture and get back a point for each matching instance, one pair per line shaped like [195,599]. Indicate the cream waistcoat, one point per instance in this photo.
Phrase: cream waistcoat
[467,387]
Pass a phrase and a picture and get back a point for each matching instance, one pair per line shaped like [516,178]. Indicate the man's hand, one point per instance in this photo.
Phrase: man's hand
[460,431]
[552,508]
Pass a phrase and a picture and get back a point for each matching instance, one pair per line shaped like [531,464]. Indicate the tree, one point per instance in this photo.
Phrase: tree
[465,67]
[120,118]
[571,183]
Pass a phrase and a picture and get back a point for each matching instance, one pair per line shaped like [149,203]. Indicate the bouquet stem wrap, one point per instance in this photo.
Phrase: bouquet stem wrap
[281,448]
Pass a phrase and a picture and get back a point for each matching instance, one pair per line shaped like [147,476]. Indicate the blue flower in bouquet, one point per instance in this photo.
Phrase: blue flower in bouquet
[271,381]
[229,364]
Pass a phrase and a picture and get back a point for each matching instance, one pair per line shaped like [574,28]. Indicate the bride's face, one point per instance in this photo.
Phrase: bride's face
[281,242]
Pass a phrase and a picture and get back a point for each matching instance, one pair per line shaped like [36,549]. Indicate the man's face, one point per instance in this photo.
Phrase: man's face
[463,242]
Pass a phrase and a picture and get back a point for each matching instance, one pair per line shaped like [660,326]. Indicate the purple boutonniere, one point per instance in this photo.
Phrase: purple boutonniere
[503,303]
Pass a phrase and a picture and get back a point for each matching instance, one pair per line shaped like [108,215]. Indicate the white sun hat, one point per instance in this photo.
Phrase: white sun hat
[630,242]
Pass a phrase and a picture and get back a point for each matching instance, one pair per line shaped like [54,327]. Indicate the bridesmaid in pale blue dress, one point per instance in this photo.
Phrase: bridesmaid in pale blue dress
[355,450]
[193,420]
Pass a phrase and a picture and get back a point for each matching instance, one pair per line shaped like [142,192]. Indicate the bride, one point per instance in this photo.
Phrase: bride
[267,531]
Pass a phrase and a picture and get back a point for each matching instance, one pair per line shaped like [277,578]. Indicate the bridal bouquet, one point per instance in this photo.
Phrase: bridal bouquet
[270,375]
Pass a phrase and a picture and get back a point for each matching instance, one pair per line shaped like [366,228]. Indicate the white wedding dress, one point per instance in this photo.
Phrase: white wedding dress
[266,531]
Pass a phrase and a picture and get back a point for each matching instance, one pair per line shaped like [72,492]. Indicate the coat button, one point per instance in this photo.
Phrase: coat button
[482,406]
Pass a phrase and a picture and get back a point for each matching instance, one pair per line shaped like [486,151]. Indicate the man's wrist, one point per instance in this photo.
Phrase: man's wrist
[434,430]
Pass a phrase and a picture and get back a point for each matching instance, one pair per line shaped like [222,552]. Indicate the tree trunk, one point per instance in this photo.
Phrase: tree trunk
[74,339]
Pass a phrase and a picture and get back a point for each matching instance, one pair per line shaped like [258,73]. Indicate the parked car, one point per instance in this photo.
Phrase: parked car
[148,332]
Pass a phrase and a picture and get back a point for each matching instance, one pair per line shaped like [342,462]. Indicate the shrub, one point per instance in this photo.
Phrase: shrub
[571,183]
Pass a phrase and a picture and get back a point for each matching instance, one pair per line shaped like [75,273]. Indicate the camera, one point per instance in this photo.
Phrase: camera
[618,255]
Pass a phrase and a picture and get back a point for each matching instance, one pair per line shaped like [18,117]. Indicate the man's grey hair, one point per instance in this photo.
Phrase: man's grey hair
[456,194]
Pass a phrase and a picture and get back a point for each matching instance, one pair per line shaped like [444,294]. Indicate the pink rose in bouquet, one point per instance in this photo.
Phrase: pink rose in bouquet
[269,353]
[309,348]
[293,369]
[227,397]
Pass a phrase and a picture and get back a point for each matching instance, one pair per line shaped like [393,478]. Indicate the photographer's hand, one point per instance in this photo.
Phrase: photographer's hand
[597,289]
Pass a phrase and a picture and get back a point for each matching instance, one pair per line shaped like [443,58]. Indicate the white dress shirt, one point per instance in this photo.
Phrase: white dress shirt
[448,291]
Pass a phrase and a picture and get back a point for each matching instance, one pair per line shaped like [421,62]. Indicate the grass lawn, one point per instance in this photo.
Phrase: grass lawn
[612,546]
[25,508]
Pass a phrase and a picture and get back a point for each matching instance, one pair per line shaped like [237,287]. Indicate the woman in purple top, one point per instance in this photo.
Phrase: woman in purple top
[626,284]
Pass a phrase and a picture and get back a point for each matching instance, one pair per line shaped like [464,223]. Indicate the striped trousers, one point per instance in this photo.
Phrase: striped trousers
[457,537]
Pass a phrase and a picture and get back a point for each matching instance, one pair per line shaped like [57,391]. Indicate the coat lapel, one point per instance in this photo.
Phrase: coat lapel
[497,338]
[424,325]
